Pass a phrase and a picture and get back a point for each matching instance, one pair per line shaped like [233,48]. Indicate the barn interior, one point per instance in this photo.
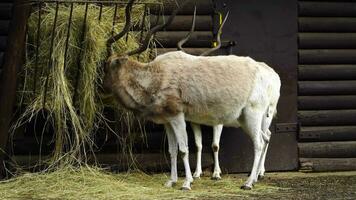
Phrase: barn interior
[309,43]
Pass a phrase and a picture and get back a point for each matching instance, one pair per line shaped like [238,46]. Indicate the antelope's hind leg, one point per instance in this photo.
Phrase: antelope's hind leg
[215,147]
[252,127]
[266,135]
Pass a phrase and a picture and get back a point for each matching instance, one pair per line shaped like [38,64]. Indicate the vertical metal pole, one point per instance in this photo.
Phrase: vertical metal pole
[50,62]
[142,26]
[114,20]
[68,34]
[38,43]
[100,11]
[143,22]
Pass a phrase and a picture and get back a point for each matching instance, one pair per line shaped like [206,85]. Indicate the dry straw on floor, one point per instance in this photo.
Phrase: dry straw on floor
[92,183]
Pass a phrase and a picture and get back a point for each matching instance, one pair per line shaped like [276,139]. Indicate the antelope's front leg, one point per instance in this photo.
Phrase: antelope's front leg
[173,151]
[179,129]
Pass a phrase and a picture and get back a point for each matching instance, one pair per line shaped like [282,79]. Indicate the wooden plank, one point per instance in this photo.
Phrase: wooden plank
[184,22]
[327,117]
[327,164]
[326,102]
[150,161]
[327,40]
[327,149]
[327,56]
[171,38]
[327,24]
[307,88]
[327,133]
[8,77]
[193,51]
[156,162]
[6,10]
[327,9]
[326,72]
[204,7]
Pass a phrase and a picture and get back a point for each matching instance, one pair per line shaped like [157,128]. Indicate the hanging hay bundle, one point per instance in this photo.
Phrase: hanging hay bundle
[62,75]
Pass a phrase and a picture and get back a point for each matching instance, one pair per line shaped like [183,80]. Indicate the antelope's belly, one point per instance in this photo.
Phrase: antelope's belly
[214,117]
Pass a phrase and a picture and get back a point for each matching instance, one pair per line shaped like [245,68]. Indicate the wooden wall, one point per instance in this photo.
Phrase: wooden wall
[327,85]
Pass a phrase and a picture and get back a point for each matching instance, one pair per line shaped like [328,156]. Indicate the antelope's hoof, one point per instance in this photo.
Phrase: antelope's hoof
[216,176]
[246,187]
[186,186]
[170,183]
[196,175]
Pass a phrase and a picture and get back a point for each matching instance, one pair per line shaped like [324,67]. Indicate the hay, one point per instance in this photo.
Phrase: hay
[94,183]
[74,122]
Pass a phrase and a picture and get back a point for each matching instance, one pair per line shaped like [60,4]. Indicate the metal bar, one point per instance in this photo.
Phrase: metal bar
[80,55]
[114,19]
[161,12]
[68,35]
[143,22]
[50,54]
[142,26]
[127,36]
[100,11]
[38,43]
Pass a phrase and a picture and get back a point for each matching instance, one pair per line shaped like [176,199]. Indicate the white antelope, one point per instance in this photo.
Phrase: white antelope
[174,87]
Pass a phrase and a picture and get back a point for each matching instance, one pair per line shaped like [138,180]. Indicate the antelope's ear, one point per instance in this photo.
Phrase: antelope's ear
[118,61]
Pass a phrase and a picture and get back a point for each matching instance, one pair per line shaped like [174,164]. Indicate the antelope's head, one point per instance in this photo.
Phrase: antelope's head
[115,61]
